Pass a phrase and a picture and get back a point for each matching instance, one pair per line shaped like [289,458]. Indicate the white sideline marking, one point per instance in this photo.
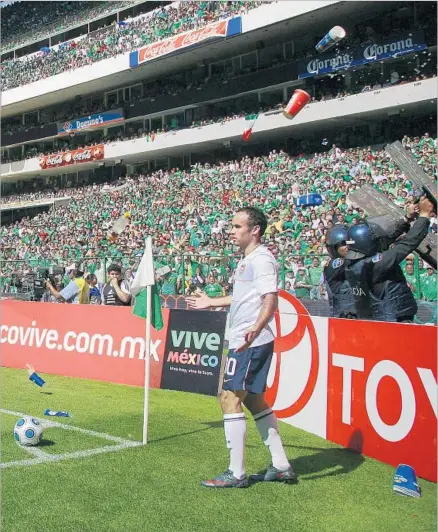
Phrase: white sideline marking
[70,456]
[41,457]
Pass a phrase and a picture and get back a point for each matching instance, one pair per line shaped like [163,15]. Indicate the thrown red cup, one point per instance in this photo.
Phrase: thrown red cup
[299,100]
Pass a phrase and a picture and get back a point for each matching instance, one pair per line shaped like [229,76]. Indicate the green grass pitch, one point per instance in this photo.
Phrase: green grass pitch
[157,488]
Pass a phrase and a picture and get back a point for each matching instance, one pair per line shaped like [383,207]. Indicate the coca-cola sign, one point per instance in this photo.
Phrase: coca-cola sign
[212,31]
[83,155]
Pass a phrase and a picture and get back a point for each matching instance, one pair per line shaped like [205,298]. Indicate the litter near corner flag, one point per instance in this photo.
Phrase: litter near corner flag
[145,277]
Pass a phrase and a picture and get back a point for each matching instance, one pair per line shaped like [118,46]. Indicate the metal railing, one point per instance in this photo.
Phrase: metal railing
[182,265]
[175,275]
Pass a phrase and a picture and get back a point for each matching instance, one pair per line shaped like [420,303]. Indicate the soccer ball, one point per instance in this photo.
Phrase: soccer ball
[28,431]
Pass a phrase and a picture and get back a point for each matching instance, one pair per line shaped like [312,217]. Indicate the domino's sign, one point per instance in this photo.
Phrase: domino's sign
[90,122]
[325,64]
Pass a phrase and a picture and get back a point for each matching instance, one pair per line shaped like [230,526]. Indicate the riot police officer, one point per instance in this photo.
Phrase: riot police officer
[376,279]
[339,292]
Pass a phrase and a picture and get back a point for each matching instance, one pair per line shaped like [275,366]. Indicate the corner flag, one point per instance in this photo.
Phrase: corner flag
[147,306]
[145,277]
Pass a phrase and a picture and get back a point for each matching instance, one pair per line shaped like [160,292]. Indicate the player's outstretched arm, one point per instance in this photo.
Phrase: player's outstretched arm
[202,301]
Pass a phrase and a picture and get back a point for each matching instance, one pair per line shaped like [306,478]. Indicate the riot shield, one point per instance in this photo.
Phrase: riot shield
[384,212]
[422,183]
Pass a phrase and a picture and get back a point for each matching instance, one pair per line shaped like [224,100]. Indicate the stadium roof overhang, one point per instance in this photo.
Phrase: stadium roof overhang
[316,21]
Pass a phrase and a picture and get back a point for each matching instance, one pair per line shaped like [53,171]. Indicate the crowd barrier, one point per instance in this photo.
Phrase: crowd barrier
[426,314]
[369,386]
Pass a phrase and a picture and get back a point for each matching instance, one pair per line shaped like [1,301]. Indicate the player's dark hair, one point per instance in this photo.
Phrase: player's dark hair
[255,217]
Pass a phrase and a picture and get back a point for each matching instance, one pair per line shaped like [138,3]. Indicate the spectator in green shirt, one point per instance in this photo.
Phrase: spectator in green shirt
[169,288]
[302,283]
[429,285]
[213,288]
[411,280]
[315,272]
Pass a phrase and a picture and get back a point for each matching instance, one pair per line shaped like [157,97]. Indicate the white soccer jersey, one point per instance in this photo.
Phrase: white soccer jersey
[255,276]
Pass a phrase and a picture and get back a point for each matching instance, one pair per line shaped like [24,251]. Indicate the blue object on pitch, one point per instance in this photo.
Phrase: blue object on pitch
[308,200]
[37,379]
[405,481]
[55,413]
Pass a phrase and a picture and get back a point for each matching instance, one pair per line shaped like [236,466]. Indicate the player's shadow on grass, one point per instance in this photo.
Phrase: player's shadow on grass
[324,463]
[210,425]
[330,462]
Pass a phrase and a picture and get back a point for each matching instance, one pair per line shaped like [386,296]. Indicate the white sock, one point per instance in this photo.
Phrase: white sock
[235,435]
[267,426]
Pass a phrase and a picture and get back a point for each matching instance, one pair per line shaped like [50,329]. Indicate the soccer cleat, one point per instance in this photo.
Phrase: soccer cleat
[226,480]
[273,474]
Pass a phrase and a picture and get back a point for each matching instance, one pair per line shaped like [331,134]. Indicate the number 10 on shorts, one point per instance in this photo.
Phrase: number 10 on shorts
[230,368]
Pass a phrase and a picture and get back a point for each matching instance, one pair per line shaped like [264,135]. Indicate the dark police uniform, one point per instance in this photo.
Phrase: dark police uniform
[378,284]
[339,292]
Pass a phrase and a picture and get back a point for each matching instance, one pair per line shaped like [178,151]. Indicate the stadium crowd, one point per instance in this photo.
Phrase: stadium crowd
[118,39]
[30,22]
[188,214]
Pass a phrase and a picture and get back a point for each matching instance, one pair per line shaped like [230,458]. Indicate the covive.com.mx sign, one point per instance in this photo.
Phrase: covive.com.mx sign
[193,352]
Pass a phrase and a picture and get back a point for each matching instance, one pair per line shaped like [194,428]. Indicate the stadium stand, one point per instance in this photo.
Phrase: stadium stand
[186,206]
[118,39]
[19,20]
[189,211]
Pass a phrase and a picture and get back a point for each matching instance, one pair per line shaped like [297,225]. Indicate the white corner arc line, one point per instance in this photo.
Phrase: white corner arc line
[49,423]
[38,453]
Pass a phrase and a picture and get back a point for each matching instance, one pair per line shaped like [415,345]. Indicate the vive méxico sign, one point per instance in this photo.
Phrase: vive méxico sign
[401,45]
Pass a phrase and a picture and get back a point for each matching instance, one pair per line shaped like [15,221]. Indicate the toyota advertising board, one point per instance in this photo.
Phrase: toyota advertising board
[369,386]
[364,385]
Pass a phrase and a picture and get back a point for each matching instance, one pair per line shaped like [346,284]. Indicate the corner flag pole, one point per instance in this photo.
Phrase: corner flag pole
[147,359]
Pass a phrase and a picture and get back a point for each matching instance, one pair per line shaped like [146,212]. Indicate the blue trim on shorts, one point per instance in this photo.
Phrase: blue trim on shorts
[248,371]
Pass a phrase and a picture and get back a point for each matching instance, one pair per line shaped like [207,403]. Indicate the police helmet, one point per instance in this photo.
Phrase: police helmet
[361,242]
[336,236]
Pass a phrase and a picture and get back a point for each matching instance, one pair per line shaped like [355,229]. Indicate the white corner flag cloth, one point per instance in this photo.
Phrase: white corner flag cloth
[145,275]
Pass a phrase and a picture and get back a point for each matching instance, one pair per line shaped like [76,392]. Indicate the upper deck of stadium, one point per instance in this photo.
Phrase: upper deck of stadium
[30,84]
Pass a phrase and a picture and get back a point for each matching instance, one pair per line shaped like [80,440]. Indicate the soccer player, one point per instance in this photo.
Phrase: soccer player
[253,304]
